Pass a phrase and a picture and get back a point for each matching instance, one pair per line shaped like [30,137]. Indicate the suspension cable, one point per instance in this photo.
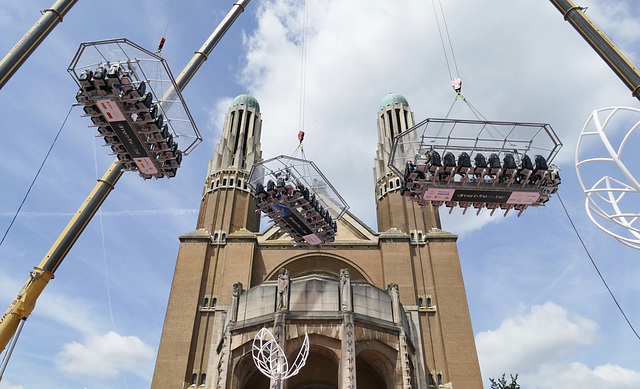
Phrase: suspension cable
[166,28]
[596,267]
[442,40]
[303,67]
[36,176]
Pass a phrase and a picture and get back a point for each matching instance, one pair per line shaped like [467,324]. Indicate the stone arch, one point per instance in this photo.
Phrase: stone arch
[375,364]
[320,263]
[321,370]
[367,376]
[247,375]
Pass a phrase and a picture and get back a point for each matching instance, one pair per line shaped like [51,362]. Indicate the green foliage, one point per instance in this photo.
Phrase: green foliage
[501,383]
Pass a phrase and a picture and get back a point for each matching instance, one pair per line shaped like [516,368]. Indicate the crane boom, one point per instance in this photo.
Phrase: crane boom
[32,39]
[25,302]
[606,49]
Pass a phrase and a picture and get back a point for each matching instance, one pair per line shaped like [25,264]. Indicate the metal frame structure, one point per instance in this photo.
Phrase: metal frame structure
[133,100]
[607,197]
[295,194]
[507,180]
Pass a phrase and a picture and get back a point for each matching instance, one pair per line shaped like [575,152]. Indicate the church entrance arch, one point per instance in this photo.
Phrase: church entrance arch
[368,376]
[320,371]
[322,264]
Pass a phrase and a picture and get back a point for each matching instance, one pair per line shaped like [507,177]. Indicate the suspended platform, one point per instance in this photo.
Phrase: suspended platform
[479,164]
[298,198]
[134,103]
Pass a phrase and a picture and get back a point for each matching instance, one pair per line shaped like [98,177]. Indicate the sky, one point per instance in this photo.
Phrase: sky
[538,306]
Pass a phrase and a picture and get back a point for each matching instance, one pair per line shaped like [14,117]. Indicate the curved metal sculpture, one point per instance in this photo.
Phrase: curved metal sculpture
[271,360]
[612,199]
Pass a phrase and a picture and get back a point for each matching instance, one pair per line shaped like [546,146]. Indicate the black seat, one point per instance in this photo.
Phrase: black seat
[509,162]
[526,163]
[464,160]
[433,158]
[494,161]
[271,187]
[480,161]
[449,159]
[541,163]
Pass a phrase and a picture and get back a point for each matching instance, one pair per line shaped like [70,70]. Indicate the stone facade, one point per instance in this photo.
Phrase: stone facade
[382,309]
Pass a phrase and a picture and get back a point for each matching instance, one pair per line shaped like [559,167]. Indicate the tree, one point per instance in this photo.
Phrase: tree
[501,383]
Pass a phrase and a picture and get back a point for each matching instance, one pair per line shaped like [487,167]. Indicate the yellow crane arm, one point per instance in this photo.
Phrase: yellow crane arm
[606,49]
[23,304]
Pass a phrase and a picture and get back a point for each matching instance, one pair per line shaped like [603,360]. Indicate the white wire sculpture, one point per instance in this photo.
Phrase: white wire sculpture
[612,201]
[271,360]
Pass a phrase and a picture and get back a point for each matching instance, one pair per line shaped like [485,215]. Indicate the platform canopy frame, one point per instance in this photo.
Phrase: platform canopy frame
[425,157]
[142,65]
[296,170]
[472,137]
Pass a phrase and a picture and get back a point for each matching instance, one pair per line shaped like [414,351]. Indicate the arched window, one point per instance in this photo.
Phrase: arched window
[239,183]
[420,302]
[215,236]
[413,236]
[203,379]
[224,236]
[212,183]
[390,185]
[214,302]
[431,381]
[206,302]
[224,182]
[194,379]
[439,379]
[397,182]
[231,182]
[420,236]
[217,183]
[428,302]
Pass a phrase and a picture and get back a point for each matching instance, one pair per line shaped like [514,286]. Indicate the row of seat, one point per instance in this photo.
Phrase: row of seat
[483,170]
[279,199]
[435,172]
[135,105]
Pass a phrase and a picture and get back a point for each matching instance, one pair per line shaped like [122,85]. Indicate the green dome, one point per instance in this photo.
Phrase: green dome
[393,98]
[246,100]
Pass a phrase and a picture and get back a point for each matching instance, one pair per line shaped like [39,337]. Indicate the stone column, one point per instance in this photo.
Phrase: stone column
[282,306]
[348,360]
[220,378]
[403,346]
[280,335]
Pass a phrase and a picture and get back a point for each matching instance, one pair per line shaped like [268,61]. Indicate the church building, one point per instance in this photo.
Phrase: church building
[383,309]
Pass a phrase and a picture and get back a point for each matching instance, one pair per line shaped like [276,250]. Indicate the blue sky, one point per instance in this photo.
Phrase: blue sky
[537,305]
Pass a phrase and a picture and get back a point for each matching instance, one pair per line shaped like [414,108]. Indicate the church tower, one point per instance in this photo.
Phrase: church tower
[394,117]
[382,309]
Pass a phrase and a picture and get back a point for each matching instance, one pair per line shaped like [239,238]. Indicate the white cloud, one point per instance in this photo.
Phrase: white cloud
[105,357]
[460,224]
[529,345]
[523,343]
[579,376]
